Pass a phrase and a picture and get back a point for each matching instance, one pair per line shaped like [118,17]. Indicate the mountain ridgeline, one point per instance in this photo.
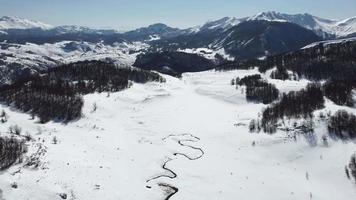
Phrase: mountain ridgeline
[258,36]
[247,40]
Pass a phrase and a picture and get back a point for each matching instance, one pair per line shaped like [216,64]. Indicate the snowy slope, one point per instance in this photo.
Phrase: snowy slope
[322,27]
[346,27]
[20,23]
[319,25]
[69,51]
[15,58]
[330,42]
[220,24]
[118,151]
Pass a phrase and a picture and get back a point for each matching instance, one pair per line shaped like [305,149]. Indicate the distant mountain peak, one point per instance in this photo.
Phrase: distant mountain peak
[158,25]
[223,23]
[268,16]
[7,22]
[323,27]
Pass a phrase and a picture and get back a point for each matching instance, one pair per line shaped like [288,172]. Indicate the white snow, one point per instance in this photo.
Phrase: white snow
[154,38]
[111,153]
[208,53]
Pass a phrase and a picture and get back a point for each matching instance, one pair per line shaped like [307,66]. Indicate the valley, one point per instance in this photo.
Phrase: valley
[255,107]
[193,123]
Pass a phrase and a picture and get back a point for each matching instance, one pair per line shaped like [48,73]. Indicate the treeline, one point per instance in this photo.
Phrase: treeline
[332,61]
[11,150]
[340,92]
[257,89]
[98,76]
[302,104]
[56,94]
[322,61]
[294,104]
[235,65]
[335,63]
[351,168]
[342,125]
[3,117]
[282,73]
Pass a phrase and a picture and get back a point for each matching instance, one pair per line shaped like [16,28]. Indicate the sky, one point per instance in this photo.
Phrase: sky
[130,14]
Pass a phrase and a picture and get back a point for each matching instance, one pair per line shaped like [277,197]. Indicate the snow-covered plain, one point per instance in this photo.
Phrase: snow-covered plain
[189,134]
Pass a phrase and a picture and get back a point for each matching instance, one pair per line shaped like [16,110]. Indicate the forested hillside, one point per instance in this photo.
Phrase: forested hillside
[57,93]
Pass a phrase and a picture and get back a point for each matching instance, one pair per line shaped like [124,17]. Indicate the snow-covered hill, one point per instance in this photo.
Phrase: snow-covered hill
[14,58]
[21,23]
[187,138]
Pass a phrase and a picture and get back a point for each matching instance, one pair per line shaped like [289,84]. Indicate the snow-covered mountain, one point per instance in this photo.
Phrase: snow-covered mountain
[323,27]
[223,23]
[20,60]
[21,23]
[152,32]
[247,40]
[347,26]
[326,28]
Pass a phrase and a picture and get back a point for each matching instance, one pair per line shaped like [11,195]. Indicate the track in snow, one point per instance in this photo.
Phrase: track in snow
[172,189]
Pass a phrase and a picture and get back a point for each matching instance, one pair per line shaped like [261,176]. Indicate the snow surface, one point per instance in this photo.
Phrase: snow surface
[112,152]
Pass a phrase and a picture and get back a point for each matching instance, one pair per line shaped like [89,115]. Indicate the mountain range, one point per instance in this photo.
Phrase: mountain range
[326,28]
[28,46]
[242,38]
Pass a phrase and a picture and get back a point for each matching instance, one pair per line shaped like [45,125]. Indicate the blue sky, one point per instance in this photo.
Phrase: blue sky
[129,14]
